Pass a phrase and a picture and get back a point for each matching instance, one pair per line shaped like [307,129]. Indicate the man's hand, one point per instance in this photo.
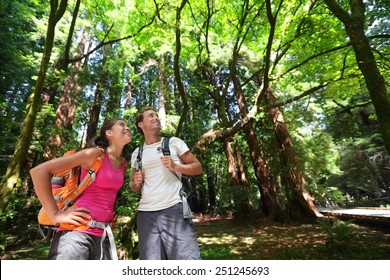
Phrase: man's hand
[137,180]
[168,162]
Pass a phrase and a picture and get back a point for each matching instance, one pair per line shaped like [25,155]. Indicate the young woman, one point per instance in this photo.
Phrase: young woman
[95,203]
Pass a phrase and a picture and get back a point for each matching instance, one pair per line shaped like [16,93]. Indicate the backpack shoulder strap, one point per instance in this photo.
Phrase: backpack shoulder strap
[98,161]
[167,152]
[88,179]
[139,157]
[164,149]
[165,146]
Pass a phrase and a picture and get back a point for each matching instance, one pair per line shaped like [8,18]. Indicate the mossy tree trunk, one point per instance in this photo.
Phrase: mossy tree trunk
[11,179]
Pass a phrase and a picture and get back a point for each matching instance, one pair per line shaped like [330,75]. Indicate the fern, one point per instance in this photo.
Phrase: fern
[340,234]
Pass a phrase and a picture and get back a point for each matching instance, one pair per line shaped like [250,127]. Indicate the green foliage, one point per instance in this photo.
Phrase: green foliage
[20,44]
[217,254]
[127,202]
[22,209]
[360,178]
[334,130]
[293,254]
[340,234]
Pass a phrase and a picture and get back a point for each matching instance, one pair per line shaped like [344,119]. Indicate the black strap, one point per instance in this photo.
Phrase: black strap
[187,214]
[139,158]
[165,146]
[166,152]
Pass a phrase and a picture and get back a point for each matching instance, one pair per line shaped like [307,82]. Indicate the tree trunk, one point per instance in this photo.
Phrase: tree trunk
[95,111]
[163,83]
[211,191]
[11,179]
[97,102]
[129,95]
[242,174]
[240,195]
[270,204]
[66,110]
[176,68]
[299,202]
[354,25]
[241,164]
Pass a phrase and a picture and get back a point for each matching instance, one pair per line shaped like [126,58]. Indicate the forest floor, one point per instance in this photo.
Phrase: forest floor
[266,240]
[231,239]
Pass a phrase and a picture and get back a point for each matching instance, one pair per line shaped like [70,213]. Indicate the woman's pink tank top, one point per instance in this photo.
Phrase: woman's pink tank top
[100,196]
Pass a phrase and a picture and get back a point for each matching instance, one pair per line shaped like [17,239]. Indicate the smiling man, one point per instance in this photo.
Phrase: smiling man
[163,232]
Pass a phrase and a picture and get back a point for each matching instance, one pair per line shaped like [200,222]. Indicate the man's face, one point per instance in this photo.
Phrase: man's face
[151,121]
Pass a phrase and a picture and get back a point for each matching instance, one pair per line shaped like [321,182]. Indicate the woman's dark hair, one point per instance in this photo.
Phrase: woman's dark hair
[101,140]
[140,117]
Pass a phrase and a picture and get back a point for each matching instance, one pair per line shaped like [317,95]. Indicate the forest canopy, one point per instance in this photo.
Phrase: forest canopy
[285,103]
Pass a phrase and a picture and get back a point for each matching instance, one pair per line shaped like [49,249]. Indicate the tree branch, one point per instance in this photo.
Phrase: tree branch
[103,43]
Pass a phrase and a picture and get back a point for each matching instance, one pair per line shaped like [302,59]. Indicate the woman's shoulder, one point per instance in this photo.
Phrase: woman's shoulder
[90,155]
[92,152]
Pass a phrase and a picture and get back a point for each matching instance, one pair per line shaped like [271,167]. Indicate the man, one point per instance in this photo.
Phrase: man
[163,233]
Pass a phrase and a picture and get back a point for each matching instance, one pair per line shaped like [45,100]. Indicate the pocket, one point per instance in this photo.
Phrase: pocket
[177,208]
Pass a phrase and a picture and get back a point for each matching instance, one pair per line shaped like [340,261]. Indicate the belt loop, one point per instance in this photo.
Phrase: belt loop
[107,232]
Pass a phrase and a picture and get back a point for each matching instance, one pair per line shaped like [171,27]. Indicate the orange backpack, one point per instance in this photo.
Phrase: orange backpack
[66,189]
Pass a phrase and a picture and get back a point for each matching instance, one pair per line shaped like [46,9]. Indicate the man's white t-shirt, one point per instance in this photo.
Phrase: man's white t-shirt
[161,188]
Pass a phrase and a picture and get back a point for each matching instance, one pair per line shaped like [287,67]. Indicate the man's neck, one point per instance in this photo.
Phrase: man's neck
[151,138]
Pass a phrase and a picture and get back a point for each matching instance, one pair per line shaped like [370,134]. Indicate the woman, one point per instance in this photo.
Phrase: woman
[95,203]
